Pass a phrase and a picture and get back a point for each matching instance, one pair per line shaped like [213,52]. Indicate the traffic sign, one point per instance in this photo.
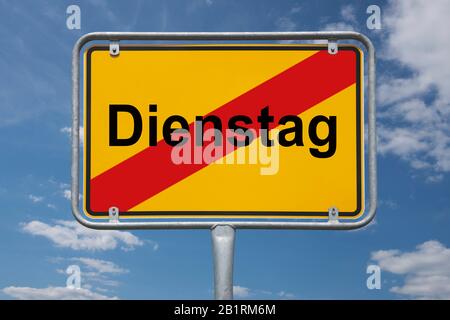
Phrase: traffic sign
[234,131]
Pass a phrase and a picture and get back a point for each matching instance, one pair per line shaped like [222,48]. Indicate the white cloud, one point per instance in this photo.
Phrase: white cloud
[35,199]
[67,194]
[392,90]
[153,244]
[417,107]
[245,292]
[53,190]
[402,142]
[54,293]
[105,8]
[416,41]
[68,131]
[415,111]
[93,271]
[286,295]
[295,9]
[388,203]
[348,13]
[101,266]
[338,26]
[286,24]
[24,67]
[71,234]
[435,178]
[426,270]
[241,292]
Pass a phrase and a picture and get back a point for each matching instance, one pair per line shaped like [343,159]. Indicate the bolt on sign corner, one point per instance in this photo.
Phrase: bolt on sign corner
[223,131]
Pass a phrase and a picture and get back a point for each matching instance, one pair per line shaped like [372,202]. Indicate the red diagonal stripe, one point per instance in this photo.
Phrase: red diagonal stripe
[291,92]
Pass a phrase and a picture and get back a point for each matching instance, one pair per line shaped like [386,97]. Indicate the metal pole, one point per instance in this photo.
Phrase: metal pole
[223,254]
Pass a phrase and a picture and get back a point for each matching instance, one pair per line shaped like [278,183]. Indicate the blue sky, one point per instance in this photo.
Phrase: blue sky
[409,240]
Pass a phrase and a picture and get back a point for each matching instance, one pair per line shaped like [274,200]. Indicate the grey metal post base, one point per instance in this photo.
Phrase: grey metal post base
[223,254]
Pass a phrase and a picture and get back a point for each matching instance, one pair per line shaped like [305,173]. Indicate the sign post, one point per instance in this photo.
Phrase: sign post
[223,255]
[223,136]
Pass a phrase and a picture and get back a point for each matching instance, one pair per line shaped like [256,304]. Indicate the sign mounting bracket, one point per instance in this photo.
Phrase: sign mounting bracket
[333,215]
[113,213]
[114,48]
[332,46]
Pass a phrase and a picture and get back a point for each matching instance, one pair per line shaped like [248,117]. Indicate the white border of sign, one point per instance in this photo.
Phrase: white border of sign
[331,37]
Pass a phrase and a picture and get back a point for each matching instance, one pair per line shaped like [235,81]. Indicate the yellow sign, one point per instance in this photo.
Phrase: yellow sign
[235,131]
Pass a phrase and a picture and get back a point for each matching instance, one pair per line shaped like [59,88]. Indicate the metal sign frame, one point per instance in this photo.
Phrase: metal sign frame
[332,223]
